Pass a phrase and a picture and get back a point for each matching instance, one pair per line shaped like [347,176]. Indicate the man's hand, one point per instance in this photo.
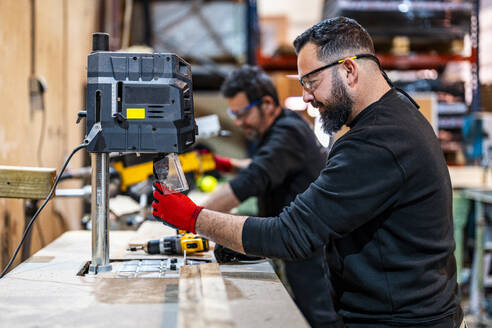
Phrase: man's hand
[225,255]
[176,210]
[222,164]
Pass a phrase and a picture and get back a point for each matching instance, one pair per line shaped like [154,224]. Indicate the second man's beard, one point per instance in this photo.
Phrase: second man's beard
[253,135]
[337,113]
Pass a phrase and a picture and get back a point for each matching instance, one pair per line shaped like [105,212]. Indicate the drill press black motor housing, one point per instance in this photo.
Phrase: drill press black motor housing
[136,103]
[144,102]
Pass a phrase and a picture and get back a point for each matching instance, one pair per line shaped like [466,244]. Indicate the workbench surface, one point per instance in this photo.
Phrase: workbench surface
[45,291]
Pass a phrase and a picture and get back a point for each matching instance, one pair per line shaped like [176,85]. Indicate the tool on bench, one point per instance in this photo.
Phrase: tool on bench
[136,103]
[174,245]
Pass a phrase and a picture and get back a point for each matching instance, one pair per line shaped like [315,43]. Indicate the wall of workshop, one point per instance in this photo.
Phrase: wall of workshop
[300,14]
[42,138]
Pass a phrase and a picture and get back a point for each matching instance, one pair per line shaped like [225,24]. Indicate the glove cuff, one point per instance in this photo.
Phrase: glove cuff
[194,217]
[223,164]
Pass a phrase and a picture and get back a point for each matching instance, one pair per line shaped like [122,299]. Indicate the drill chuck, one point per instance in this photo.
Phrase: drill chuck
[153,246]
[166,246]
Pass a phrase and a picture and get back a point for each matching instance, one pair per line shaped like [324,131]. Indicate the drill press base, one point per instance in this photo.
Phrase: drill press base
[95,269]
[142,268]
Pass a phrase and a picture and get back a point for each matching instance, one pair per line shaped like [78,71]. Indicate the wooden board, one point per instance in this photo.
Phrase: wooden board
[216,311]
[202,298]
[38,291]
[26,182]
[189,315]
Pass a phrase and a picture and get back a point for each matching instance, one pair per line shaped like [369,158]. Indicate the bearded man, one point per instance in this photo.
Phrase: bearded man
[381,207]
[287,158]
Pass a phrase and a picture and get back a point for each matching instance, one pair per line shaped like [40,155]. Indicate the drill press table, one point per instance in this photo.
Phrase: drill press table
[45,290]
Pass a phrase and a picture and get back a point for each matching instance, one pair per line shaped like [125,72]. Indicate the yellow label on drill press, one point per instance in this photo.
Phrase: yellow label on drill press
[135,113]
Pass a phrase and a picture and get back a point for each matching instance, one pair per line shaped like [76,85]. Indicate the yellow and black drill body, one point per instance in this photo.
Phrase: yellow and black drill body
[177,245]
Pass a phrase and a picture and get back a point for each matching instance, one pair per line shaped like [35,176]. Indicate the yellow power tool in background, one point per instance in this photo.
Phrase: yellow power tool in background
[190,162]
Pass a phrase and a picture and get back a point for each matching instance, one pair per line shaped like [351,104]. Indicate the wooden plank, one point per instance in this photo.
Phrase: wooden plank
[38,291]
[17,139]
[79,22]
[203,298]
[48,128]
[151,230]
[4,239]
[26,182]
[190,308]
[216,310]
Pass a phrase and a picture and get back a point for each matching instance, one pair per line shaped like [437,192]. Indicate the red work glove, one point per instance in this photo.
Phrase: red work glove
[175,210]
[222,164]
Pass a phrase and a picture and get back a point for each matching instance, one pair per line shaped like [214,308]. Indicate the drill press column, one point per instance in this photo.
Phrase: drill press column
[99,213]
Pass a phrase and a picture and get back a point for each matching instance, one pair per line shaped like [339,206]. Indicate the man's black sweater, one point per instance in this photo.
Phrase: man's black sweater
[286,161]
[384,198]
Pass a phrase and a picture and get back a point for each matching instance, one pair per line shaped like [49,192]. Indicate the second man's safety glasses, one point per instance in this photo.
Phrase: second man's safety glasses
[242,112]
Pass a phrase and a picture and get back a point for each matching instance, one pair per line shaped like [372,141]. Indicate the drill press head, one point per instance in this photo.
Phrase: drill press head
[143,102]
[136,103]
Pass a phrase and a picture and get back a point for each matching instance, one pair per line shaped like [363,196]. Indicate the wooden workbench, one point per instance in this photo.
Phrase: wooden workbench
[45,291]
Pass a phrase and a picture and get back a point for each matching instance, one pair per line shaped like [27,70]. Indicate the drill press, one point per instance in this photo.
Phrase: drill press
[136,103]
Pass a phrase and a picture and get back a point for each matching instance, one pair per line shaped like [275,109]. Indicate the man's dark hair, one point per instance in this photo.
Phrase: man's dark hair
[251,80]
[336,37]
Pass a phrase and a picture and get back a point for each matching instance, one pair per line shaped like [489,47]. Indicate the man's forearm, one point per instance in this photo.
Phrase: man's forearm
[224,229]
[240,163]
[222,200]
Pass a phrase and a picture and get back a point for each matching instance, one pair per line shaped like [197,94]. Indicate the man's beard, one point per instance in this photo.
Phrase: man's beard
[253,135]
[336,114]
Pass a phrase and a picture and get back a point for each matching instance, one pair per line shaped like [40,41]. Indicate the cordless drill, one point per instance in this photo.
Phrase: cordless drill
[175,245]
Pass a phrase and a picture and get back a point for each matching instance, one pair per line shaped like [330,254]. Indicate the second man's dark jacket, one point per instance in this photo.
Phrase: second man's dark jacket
[286,161]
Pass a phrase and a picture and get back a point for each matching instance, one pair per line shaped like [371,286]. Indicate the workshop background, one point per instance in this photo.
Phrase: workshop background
[435,50]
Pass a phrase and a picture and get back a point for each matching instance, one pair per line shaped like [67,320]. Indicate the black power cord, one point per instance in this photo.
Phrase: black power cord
[29,225]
